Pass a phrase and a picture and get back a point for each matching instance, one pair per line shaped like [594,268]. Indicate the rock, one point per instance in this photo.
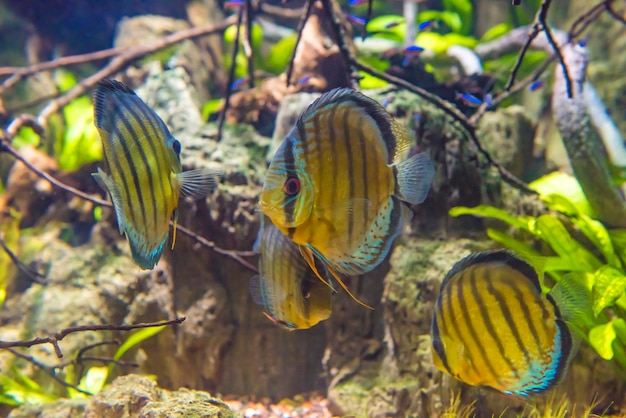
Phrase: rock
[132,396]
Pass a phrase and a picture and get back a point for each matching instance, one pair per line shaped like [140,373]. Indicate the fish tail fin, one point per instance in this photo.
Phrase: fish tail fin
[414,177]
[198,183]
[144,254]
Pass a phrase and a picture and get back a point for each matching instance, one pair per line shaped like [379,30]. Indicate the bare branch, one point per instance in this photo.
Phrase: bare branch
[308,8]
[33,275]
[55,338]
[543,12]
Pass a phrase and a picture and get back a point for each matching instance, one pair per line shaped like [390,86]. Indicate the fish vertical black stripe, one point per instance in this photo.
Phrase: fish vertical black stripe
[506,313]
[472,330]
[450,311]
[526,311]
[132,164]
[154,177]
[118,168]
[437,345]
[488,323]
[302,139]
[364,173]
[347,140]
[290,203]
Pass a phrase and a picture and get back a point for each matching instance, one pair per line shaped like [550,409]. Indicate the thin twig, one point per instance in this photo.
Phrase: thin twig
[543,12]
[125,59]
[588,17]
[341,39]
[452,111]
[49,369]
[308,8]
[231,78]
[35,276]
[614,14]
[520,57]
[370,7]
[17,73]
[55,338]
[247,41]
[281,11]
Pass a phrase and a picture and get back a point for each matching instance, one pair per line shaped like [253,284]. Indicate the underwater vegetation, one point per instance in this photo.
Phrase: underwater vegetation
[455,168]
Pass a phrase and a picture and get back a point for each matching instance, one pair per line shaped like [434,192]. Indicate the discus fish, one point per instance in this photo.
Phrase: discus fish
[493,327]
[145,175]
[291,294]
[336,183]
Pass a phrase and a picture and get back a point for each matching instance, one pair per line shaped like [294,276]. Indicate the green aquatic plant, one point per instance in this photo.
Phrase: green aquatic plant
[573,246]
[72,138]
[9,234]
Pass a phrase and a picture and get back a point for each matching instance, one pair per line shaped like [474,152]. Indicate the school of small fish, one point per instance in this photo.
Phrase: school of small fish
[335,197]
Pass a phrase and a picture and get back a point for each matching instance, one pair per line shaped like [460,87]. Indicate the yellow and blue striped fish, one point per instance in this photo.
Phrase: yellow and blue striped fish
[145,173]
[336,183]
[493,327]
[291,294]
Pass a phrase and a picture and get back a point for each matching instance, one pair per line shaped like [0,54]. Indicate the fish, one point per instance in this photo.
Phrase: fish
[359,21]
[392,24]
[337,183]
[231,5]
[536,85]
[286,287]
[409,52]
[428,24]
[304,79]
[239,82]
[468,99]
[493,327]
[145,177]
[355,3]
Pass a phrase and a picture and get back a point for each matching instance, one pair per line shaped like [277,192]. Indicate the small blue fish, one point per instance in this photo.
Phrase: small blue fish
[468,99]
[387,101]
[489,99]
[359,21]
[234,4]
[305,79]
[429,24]
[355,3]
[145,176]
[410,52]
[536,85]
[239,82]
[582,43]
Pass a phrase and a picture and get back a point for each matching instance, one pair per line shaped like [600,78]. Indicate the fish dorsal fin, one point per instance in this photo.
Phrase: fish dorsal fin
[104,108]
[198,183]
[256,290]
[503,257]
[396,138]
[414,177]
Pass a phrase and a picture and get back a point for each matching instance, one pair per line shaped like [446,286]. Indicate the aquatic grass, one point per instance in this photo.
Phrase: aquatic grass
[594,259]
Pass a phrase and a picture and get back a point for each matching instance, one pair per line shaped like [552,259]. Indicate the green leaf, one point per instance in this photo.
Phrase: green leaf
[551,229]
[483,211]
[619,325]
[81,143]
[495,32]
[566,186]
[93,381]
[25,136]
[618,239]
[609,285]
[599,235]
[439,43]
[65,80]
[601,339]
[280,54]
[450,19]
[378,25]
[368,81]
[136,338]
[464,9]
[210,107]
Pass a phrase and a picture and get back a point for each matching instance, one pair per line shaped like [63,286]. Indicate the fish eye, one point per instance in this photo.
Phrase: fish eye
[292,186]
[176,146]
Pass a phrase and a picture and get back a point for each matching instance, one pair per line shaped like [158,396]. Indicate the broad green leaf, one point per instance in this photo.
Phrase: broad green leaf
[280,54]
[379,25]
[619,325]
[598,234]
[601,339]
[551,229]
[135,339]
[618,238]
[560,203]
[495,32]
[65,80]
[25,136]
[211,107]
[484,211]
[609,285]
[465,11]
[93,381]
[81,143]
[368,81]
[439,44]
[564,185]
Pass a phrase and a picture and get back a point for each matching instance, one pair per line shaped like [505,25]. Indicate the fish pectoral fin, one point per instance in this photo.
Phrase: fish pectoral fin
[198,183]
[414,177]
[108,185]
